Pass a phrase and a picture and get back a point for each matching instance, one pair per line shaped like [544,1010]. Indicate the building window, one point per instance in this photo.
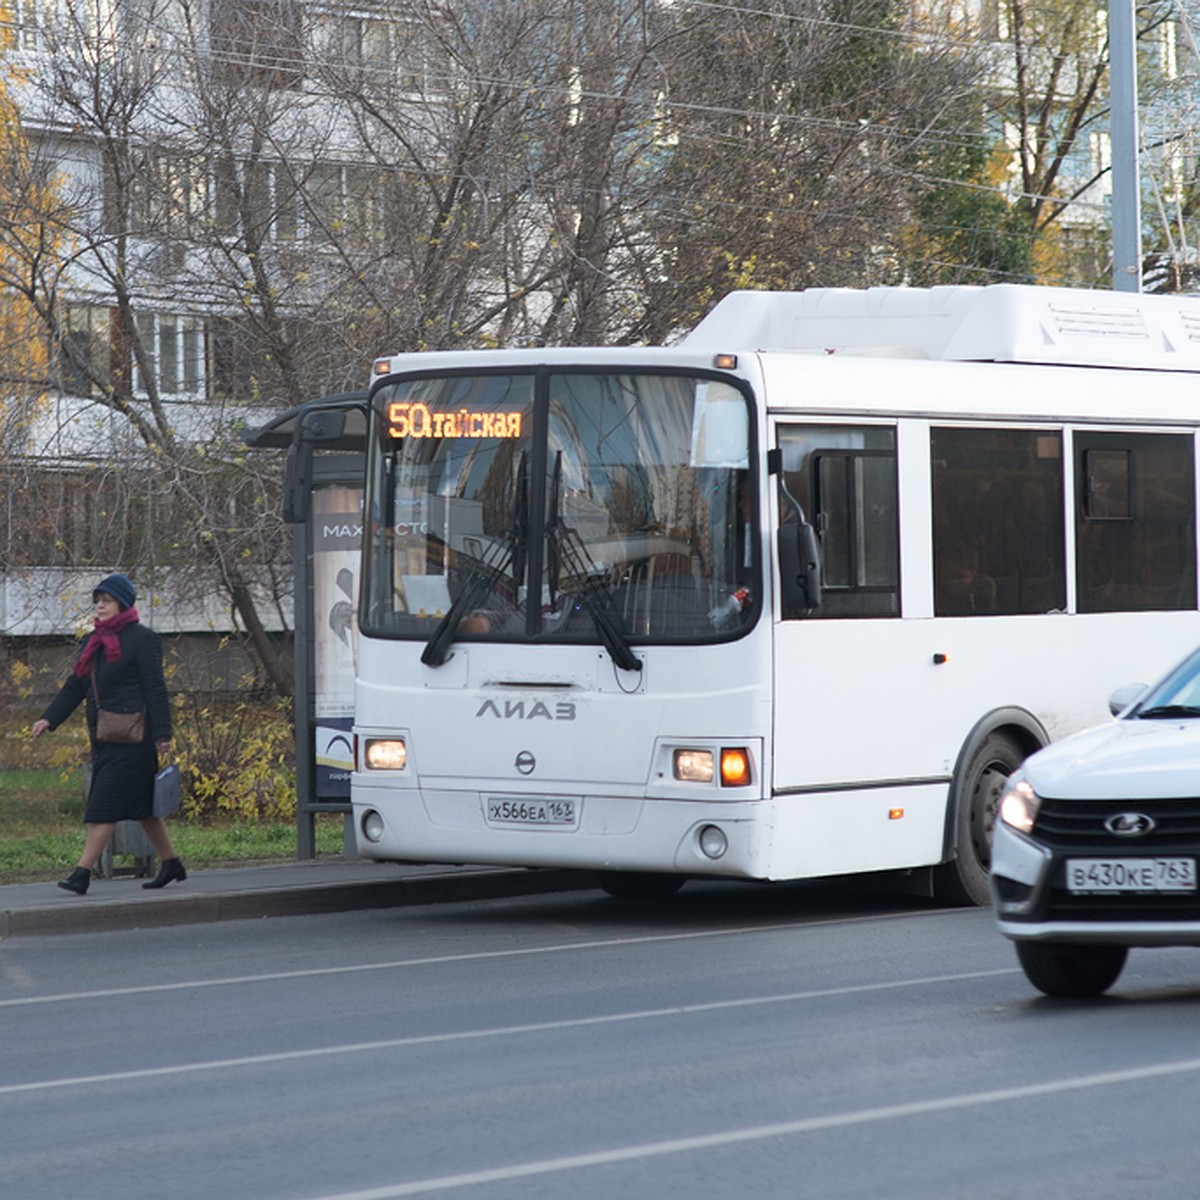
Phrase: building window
[258,42]
[173,351]
[73,518]
[416,56]
[31,17]
[257,201]
[231,361]
[167,194]
[353,44]
[163,200]
[385,55]
[43,25]
[85,351]
[320,201]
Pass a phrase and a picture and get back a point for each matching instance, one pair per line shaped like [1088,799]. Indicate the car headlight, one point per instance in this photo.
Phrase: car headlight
[1019,805]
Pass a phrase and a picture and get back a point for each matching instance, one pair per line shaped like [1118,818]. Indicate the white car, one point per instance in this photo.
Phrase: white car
[1097,838]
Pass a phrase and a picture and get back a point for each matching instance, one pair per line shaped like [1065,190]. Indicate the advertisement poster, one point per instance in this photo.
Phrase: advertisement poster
[337,535]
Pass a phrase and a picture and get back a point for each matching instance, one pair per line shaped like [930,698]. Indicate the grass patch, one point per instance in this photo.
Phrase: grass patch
[41,830]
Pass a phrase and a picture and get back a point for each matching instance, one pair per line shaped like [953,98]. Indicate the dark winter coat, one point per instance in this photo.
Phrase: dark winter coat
[122,786]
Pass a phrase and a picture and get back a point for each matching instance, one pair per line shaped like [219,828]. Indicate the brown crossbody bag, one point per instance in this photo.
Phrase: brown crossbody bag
[128,729]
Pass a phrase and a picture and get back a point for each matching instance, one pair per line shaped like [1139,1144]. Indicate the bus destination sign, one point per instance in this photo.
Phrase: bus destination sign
[406,420]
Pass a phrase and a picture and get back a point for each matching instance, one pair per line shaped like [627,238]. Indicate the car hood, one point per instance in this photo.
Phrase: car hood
[1123,760]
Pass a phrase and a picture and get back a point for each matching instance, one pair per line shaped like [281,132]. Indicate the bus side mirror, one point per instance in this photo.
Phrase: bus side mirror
[799,566]
[313,429]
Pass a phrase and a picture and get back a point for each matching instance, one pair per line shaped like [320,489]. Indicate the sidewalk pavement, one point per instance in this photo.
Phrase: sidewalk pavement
[276,890]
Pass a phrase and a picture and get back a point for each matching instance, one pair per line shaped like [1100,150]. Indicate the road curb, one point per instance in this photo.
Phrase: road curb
[140,911]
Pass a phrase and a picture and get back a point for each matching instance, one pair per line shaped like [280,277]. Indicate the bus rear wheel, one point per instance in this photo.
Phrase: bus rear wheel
[640,887]
[1075,971]
[964,879]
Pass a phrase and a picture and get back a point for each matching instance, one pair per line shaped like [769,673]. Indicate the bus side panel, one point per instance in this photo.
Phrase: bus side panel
[865,705]
[841,833]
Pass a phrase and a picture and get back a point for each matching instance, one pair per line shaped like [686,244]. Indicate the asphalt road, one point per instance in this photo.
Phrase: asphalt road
[797,1042]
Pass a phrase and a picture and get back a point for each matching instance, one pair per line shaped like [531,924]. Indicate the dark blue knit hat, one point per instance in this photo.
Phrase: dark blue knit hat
[119,587]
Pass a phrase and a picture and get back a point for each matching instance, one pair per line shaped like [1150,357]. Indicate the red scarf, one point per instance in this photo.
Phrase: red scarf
[106,636]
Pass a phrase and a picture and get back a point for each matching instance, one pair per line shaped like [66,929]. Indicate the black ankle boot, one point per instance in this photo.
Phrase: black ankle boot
[77,881]
[172,868]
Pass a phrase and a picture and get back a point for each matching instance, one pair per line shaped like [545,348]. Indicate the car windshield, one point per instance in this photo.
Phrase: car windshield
[1177,696]
[624,502]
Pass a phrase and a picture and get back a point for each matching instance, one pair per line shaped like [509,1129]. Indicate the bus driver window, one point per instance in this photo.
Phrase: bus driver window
[844,477]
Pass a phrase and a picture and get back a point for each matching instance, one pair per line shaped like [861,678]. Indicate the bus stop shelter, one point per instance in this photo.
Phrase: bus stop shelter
[325,443]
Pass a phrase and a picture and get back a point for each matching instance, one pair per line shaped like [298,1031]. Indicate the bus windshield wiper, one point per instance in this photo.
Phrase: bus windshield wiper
[1167,711]
[565,549]
[506,554]
[595,600]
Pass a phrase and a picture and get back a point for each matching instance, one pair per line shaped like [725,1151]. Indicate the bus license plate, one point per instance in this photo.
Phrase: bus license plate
[1086,875]
[507,811]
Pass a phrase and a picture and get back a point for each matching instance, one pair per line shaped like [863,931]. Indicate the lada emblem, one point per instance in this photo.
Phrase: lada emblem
[1129,824]
[525,762]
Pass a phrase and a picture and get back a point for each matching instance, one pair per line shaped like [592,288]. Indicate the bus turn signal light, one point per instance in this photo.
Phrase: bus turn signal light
[735,767]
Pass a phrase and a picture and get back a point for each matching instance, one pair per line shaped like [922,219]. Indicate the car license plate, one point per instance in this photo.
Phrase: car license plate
[1131,875]
[508,811]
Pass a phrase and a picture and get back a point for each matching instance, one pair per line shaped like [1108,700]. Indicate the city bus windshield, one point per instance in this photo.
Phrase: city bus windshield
[627,497]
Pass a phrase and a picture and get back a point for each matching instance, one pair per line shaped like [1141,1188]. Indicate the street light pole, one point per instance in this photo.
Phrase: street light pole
[1123,133]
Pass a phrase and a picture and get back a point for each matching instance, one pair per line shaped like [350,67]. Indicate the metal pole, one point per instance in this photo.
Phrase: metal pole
[302,622]
[1123,132]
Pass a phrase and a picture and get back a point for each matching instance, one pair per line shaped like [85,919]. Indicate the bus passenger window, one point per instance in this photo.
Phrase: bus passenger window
[1135,541]
[998,537]
[844,478]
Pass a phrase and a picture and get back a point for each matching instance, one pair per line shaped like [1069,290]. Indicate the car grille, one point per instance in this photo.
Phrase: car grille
[1067,824]
[1076,827]
[1062,906]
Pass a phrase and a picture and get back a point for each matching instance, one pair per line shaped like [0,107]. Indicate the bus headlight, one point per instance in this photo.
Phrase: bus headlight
[1019,805]
[694,766]
[385,754]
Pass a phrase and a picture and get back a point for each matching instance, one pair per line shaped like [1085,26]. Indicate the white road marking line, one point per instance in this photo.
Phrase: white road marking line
[253,1060]
[709,1141]
[442,959]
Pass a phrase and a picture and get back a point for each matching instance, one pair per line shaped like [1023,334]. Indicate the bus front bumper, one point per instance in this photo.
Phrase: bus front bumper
[590,832]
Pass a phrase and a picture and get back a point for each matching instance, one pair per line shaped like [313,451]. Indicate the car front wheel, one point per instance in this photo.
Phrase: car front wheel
[1065,970]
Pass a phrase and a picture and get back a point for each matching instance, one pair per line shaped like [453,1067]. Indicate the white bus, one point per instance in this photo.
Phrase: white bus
[787,600]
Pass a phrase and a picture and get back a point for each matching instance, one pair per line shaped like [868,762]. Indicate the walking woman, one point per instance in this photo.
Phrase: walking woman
[119,669]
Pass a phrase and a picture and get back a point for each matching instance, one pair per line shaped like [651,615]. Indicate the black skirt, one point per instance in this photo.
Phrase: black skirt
[122,783]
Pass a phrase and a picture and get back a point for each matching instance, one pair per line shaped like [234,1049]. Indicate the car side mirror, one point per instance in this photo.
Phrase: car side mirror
[1125,697]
